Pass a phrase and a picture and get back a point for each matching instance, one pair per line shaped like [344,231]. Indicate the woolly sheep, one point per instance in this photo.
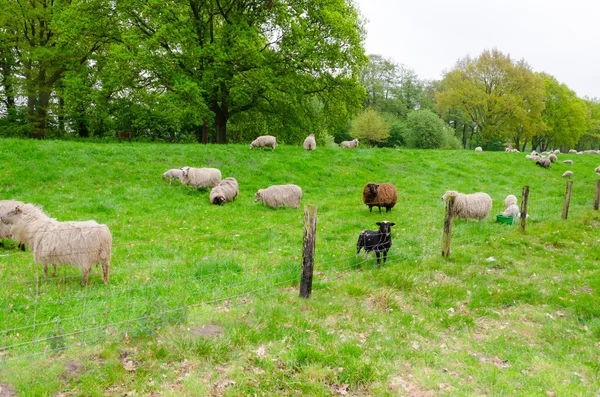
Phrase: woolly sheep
[469,206]
[79,244]
[515,150]
[200,177]
[478,149]
[573,151]
[174,173]
[557,151]
[265,140]
[280,195]
[511,210]
[567,174]
[380,195]
[225,191]
[552,157]
[543,162]
[568,162]
[510,200]
[310,143]
[597,170]
[5,229]
[349,144]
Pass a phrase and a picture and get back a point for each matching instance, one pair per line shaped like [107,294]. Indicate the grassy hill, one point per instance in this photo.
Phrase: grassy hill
[203,299]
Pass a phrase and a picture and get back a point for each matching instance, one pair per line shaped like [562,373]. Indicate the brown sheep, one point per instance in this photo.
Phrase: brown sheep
[380,195]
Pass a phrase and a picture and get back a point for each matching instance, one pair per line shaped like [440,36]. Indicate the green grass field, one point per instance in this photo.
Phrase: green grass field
[525,323]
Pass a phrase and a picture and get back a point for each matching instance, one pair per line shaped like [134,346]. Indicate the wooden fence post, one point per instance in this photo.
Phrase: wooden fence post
[597,196]
[308,250]
[565,212]
[447,226]
[524,202]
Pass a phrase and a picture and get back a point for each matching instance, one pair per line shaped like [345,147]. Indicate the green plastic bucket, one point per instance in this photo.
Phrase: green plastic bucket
[507,220]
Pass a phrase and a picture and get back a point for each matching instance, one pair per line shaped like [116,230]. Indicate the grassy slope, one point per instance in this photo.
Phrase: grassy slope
[526,323]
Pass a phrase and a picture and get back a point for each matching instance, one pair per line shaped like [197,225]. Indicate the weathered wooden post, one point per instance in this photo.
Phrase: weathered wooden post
[597,196]
[308,250]
[565,212]
[447,226]
[524,202]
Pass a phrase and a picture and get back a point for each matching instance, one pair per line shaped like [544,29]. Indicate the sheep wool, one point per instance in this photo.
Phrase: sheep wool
[478,149]
[200,177]
[380,195]
[174,173]
[350,144]
[469,206]
[310,143]
[264,140]
[568,162]
[552,157]
[573,151]
[79,244]
[597,170]
[510,200]
[225,191]
[280,195]
[5,207]
[567,174]
[511,210]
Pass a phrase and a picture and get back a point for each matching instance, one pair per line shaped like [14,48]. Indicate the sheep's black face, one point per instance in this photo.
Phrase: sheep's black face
[385,227]
[219,200]
[373,188]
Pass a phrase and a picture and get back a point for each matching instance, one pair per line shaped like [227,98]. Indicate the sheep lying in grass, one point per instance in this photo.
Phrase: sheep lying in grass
[469,206]
[225,191]
[478,149]
[265,140]
[5,229]
[349,144]
[200,177]
[380,195]
[376,240]
[79,244]
[280,195]
[310,143]
[174,173]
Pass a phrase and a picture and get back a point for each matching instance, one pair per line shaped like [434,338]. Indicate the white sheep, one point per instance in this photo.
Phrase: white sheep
[79,244]
[552,157]
[572,151]
[280,195]
[174,173]
[557,151]
[597,170]
[265,140]
[567,174]
[478,149]
[5,207]
[568,162]
[310,143]
[510,200]
[511,210]
[200,177]
[469,206]
[349,144]
[225,191]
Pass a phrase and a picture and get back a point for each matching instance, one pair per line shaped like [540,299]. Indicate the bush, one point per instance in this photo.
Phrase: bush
[425,130]
[451,142]
[370,126]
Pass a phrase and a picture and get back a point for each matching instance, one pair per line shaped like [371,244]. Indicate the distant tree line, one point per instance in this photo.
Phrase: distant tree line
[230,70]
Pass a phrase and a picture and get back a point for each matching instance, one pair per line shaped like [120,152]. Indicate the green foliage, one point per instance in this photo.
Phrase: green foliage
[397,131]
[425,130]
[370,126]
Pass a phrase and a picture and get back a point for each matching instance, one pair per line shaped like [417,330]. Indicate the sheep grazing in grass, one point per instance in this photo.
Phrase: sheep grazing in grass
[378,241]
[478,149]
[349,144]
[200,177]
[174,173]
[597,170]
[573,151]
[511,210]
[543,162]
[280,195]
[225,191]
[510,200]
[380,195]
[6,229]
[470,206]
[557,151]
[515,151]
[552,157]
[568,162]
[79,244]
[567,174]
[265,140]
[310,143]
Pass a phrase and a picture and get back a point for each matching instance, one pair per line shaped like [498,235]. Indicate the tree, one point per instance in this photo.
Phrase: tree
[498,95]
[370,126]
[425,130]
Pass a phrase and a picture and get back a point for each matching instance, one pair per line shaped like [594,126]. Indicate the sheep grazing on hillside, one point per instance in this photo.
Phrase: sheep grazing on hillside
[225,191]
[79,244]
[470,206]
[310,143]
[5,229]
[200,177]
[567,174]
[552,157]
[557,151]
[511,210]
[265,140]
[378,241]
[174,173]
[568,162]
[515,151]
[280,195]
[543,162]
[349,144]
[572,151]
[478,149]
[380,195]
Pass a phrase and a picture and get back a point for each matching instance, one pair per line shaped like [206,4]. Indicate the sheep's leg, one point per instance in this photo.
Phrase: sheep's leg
[170,181]
[84,279]
[377,253]
[105,271]
[379,208]
[22,246]
[54,270]
[370,208]
[384,257]
[46,270]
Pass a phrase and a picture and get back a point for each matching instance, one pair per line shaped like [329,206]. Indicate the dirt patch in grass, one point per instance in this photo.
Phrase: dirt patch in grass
[207,331]
[405,384]
[7,390]
[73,370]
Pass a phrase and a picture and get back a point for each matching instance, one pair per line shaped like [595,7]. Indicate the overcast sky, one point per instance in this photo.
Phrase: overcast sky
[558,37]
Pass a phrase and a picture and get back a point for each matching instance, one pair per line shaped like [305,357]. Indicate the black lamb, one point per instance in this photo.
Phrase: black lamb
[376,240]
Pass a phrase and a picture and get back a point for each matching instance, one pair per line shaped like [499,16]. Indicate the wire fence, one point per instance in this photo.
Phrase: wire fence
[157,283]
